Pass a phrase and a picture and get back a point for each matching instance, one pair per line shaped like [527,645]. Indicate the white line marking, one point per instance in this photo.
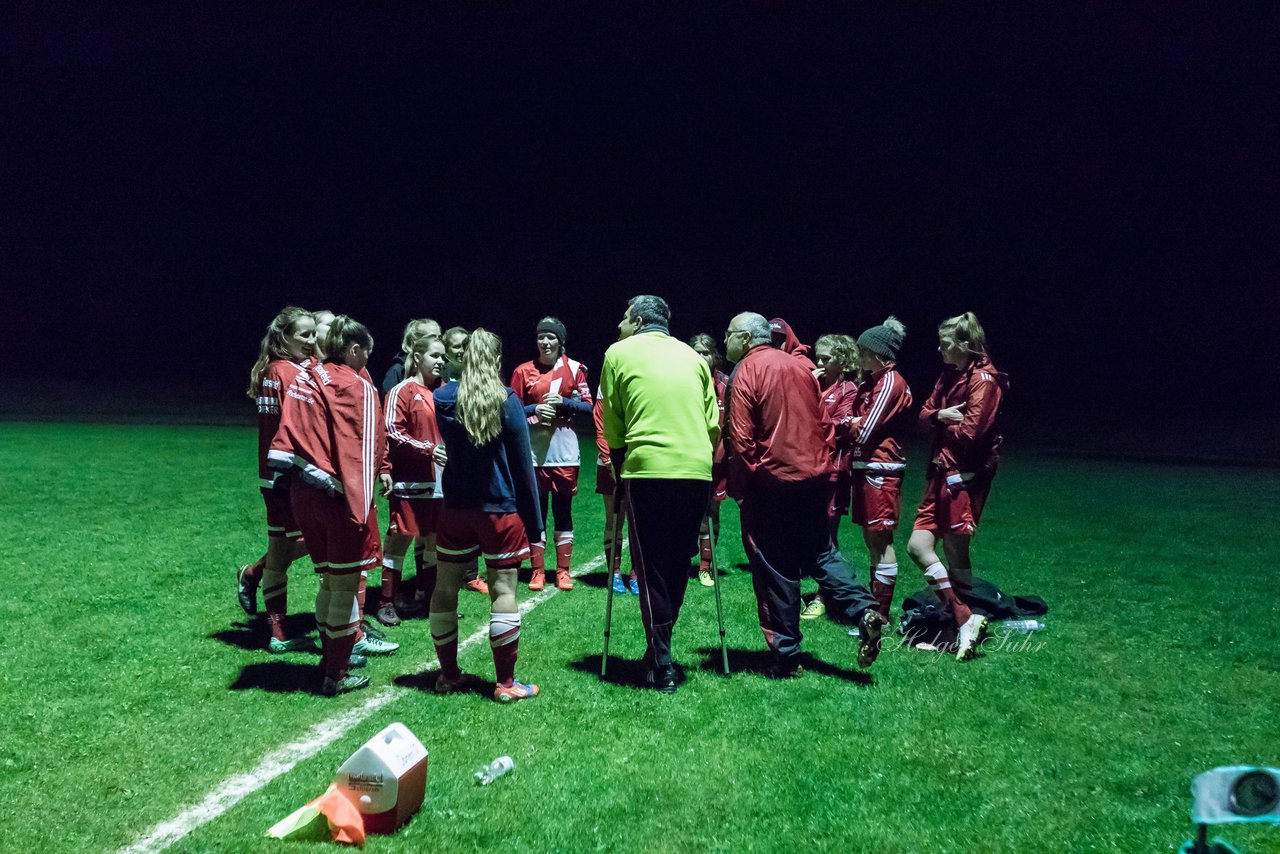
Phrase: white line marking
[282,760]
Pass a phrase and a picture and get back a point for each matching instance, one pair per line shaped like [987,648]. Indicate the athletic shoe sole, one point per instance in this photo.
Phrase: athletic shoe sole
[872,626]
[970,637]
[245,595]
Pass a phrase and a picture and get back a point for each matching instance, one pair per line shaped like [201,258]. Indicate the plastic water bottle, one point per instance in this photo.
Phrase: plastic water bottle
[1022,626]
[494,770]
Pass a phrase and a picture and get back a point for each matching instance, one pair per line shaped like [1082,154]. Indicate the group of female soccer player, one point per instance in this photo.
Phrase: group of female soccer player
[471,466]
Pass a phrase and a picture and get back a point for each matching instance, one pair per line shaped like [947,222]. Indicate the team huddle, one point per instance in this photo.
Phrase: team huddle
[474,466]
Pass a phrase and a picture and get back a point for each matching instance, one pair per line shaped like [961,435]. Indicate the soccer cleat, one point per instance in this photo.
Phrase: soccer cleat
[970,637]
[563,580]
[635,586]
[477,585]
[784,670]
[517,691]
[870,628]
[371,630]
[814,609]
[355,662]
[619,586]
[445,685]
[345,685]
[705,579]
[538,580]
[663,679]
[275,646]
[246,594]
[369,645]
[387,615]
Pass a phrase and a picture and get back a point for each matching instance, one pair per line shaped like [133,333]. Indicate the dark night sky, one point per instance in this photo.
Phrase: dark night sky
[1097,181]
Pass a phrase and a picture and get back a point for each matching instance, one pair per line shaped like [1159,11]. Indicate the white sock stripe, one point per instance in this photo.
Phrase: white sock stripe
[444,626]
[563,537]
[393,562]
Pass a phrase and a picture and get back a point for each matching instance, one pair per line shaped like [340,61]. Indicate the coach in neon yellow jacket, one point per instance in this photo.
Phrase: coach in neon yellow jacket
[661,422]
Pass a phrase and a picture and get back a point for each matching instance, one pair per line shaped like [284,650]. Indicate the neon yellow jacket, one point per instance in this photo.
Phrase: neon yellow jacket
[659,403]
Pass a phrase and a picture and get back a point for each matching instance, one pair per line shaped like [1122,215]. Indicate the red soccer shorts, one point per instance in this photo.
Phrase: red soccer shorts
[952,508]
[413,517]
[463,535]
[605,484]
[877,500]
[280,521]
[562,480]
[337,545]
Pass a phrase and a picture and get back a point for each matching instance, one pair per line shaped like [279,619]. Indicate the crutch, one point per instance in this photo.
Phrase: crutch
[612,558]
[715,577]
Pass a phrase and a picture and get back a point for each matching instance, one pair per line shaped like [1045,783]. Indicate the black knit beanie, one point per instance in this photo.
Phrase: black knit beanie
[555,327]
[882,341]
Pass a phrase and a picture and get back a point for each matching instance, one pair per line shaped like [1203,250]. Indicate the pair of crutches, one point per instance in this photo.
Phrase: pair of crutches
[616,543]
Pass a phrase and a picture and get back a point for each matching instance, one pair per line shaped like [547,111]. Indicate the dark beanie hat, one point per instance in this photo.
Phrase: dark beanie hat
[555,327]
[881,340]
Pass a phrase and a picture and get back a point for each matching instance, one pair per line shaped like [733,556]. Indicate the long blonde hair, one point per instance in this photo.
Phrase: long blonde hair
[965,329]
[480,390]
[273,346]
[415,329]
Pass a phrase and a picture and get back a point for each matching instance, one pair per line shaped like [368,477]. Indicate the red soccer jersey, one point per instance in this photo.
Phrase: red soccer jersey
[280,374]
[836,405]
[972,444]
[555,444]
[774,431]
[881,406]
[412,437]
[331,430]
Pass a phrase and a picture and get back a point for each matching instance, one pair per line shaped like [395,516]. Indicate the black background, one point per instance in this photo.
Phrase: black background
[1097,181]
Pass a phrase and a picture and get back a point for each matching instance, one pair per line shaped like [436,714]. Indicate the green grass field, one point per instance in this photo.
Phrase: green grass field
[133,686]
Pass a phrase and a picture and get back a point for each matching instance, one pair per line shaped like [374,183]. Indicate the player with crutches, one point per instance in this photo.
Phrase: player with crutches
[660,416]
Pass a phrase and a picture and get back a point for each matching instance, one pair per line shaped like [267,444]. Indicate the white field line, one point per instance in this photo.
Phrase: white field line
[282,760]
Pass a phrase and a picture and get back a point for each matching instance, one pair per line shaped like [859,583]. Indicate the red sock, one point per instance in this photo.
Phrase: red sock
[537,556]
[275,622]
[504,639]
[253,574]
[337,656]
[940,582]
[390,583]
[704,553]
[564,552]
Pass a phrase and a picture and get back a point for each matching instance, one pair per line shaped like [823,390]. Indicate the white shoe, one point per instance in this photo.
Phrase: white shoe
[971,634]
[369,645]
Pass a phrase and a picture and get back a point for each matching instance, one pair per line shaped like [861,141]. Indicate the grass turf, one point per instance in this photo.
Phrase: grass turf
[133,684]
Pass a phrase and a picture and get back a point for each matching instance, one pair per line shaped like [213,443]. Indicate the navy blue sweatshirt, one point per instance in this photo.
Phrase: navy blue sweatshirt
[497,477]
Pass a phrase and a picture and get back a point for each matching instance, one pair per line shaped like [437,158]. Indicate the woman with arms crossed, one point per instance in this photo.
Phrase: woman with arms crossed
[963,412]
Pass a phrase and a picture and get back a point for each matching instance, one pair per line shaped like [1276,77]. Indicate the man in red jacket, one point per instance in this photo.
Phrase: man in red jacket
[778,468]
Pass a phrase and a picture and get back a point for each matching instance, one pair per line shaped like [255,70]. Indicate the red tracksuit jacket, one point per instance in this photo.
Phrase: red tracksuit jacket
[331,431]
[412,437]
[882,403]
[774,431]
[280,374]
[973,444]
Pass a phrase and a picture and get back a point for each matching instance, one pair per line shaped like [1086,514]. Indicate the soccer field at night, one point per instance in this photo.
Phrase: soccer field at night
[141,707]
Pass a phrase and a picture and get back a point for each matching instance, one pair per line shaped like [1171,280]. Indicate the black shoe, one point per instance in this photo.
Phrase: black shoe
[662,678]
[355,661]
